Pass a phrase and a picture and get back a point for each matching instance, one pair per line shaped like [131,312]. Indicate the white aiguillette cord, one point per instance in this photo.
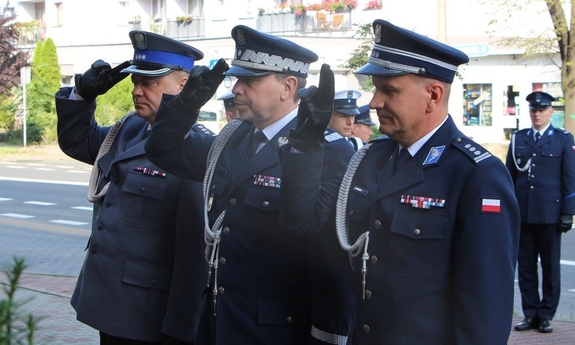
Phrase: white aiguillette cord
[212,236]
[104,148]
[341,224]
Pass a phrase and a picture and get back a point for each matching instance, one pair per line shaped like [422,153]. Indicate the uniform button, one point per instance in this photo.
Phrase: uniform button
[108,204]
[377,224]
[289,319]
[531,187]
[416,232]
[222,261]
[373,259]
[153,282]
[458,140]
[367,294]
[532,176]
[221,290]
[213,186]
[94,249]
[351,212]
[226,230]
[365,328]
[100,227]
[534,154]
[232,201]
[265,204]
[533,164]
[142,189]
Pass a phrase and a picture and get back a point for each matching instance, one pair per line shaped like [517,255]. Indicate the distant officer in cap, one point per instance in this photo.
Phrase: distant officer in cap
[259,287]
[229,105]
[144,272]
[344,112]
[541,160]
[428,216]
[361,131]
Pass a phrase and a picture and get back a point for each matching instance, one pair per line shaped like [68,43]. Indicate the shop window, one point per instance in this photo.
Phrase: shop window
[554,89]
[477,105]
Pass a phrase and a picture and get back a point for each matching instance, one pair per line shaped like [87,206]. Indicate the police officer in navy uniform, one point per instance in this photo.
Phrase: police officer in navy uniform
[541,160]
[144,272]
[362,132]
[229,106]
[344,112]
[432,231]
[259,287]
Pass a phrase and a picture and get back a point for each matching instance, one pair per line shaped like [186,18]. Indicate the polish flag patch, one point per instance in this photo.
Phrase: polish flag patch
[491,206]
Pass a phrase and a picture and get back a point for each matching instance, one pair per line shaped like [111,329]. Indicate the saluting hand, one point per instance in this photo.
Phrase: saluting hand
[314,113]
[100,78]
[200,87]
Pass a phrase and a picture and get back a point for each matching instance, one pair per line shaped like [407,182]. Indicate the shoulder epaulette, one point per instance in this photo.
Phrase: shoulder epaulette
[471,149]
[562,130]
[382,138]
[199,128]
[329,137]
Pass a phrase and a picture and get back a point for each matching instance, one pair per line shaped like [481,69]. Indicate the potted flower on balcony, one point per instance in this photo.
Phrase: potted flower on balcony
[373,5]
[184,19]
[135,20]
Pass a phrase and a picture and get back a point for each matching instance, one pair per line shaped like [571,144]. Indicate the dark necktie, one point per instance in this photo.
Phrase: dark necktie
[258,138]
[402,157]
[537,136]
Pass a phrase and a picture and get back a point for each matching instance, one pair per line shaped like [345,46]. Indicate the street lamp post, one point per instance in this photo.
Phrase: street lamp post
[24,79]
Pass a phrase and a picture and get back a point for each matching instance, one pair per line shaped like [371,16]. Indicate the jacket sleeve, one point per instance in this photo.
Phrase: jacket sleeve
[568,176]
[79,135]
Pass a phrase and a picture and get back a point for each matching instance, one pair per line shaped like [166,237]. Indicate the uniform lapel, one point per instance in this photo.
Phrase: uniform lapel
[266,157]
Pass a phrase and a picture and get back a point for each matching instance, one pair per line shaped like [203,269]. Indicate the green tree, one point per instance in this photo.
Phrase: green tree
[115,103]
[45,81]
[359,57]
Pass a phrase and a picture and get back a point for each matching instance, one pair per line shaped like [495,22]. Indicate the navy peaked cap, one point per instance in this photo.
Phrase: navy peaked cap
[364,116]
[259,54]
[399,51]
[156,55]
[228,98]
[539,100]
[345,101]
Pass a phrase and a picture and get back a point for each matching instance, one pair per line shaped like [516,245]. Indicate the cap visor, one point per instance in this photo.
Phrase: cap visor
[371,69]
[236,71]
[347,111]
[138,70]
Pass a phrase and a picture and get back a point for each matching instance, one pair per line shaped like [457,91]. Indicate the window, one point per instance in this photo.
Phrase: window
[59,14]
[477,105]
[196,8]
[158,9]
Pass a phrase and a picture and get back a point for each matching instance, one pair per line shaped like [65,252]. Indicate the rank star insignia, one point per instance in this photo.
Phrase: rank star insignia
[282,141]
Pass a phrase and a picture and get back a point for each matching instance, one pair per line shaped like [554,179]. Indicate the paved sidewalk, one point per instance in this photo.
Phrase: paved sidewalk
[51,299]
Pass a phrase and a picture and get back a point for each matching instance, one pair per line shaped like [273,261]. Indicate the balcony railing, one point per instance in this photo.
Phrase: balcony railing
[194,29]
[308,22]
[30,32]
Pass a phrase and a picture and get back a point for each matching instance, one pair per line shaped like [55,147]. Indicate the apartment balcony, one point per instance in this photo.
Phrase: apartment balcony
[307,22]
[30,32]
[196,28]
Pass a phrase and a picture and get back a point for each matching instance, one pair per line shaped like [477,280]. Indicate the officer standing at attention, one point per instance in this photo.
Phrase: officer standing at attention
[428,216]
[361,131]
[144,272]
[230,106]
[541,161]
[344,112]
[259,287]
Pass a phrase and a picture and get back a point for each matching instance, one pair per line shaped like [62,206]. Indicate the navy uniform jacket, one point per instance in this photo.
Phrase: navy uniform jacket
[144,271]
[546,190]
[263,276]
[438,275]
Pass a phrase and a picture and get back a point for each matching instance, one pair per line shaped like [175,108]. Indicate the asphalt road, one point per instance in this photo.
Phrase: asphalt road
[45,217]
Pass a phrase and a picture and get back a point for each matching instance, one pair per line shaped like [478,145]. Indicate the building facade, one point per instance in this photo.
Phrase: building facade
[488,98]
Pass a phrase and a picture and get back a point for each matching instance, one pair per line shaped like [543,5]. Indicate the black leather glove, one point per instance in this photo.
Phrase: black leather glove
[200,87]
[565,222]
[314,113]
[99,79]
